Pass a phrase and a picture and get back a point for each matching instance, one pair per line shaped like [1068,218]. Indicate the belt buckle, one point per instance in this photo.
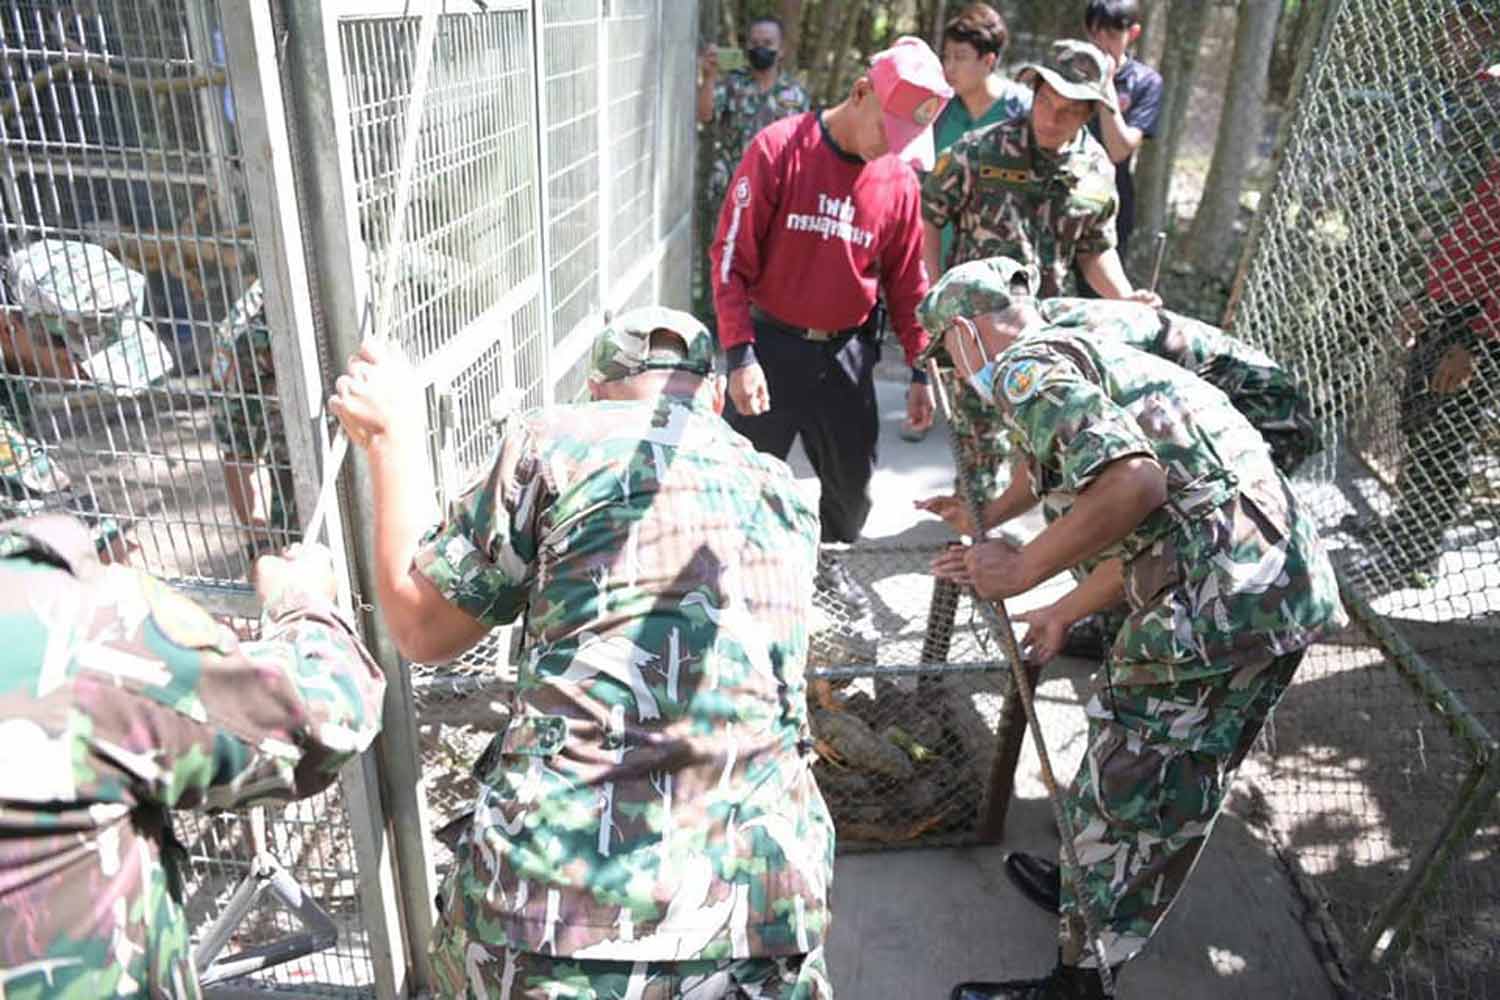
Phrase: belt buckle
[820,335]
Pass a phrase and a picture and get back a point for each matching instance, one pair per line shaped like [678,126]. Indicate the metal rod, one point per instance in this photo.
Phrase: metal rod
[998,620]
[1161,251]
[421,79]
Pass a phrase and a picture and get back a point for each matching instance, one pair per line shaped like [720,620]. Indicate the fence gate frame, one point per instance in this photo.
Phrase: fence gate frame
[253,62]
[323,286]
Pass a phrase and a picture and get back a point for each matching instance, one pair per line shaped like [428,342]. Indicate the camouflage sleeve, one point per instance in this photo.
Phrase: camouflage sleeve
[1099,203]
[945,189]
[721,97]
[804,101]
[1067,423]
[209,722]
[483,557]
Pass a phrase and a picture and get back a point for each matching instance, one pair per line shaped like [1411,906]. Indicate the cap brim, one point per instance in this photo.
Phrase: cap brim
[1072,91]
[910,142]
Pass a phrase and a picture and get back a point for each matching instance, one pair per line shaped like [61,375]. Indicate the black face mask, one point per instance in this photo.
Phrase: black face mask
[761,57]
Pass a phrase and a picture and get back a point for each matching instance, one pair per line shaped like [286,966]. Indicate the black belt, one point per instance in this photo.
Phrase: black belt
[759,315]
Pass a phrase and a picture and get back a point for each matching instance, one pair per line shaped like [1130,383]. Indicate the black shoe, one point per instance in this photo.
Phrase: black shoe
[1086,639]
[1065,982]
[1039,880]
[834,578]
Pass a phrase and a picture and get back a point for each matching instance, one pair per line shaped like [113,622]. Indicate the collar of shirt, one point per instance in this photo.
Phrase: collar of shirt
[838,150]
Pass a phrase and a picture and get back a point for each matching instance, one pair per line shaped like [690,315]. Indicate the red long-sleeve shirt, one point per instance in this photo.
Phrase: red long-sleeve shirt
[812,234]
[1465,267]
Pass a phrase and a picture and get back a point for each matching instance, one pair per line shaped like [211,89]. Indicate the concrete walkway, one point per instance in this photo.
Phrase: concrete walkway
[909,924]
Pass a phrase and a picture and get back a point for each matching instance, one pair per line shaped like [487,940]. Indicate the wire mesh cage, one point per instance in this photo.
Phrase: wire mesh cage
[906,697]
[1369,278]
[140,390]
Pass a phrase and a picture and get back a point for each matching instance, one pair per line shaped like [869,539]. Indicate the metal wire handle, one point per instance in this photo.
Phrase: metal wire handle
[378,315]
[998,620]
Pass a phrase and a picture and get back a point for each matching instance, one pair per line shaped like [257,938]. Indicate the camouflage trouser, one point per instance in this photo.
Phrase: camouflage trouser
[465,968]
[1160,759]
[249,428]
[983,444]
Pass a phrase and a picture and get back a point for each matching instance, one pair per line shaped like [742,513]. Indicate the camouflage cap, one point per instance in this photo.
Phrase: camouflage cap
[973,289]
[623,348]
[1076,69]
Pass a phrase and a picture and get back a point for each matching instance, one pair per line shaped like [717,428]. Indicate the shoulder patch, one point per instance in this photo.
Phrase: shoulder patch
[742,192]
[1021,381]
[179,619]
[943,160]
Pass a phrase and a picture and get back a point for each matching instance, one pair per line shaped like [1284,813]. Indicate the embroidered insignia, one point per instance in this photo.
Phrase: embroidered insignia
[924,113]
[1020,381]
[742,192]
[1005,175]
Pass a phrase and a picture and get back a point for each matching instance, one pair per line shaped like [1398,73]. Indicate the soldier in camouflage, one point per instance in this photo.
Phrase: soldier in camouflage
[744,101]
[647,824]
[71,297]
[248,425]
[1153,472]
[1275,403]
[120,700]
[1039,189]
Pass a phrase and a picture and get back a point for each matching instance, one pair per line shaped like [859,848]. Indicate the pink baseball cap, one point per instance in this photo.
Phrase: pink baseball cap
[908,80]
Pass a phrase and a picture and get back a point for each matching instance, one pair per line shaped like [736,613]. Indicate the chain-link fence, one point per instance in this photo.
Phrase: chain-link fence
[906,699]
[1371,276]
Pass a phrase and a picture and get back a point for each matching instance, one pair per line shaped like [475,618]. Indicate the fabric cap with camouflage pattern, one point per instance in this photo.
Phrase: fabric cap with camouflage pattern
[976,288]
[1075,69]
[623,348]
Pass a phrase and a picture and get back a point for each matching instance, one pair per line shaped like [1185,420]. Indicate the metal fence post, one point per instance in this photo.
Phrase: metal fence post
[254,73]
[320,100]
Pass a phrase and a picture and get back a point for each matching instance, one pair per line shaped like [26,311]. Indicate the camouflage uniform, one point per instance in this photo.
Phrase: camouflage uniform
[247,419]
[1227,585]
[651,800]
[79,296]
[1006,196]
[740,111]
[125,700]
[1273,401]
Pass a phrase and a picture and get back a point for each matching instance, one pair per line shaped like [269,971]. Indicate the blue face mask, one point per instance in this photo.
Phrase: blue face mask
[983,383]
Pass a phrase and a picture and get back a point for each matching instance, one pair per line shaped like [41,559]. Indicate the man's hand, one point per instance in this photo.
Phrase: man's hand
[1454,370]
[376,401]
[953,511]
[708,65]
[919,406]
[1145,297]
[301,569]
[748,389]
[993,568]
[1047,630]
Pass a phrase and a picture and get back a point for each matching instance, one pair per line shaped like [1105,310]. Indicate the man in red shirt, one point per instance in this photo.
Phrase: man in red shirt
[822,220]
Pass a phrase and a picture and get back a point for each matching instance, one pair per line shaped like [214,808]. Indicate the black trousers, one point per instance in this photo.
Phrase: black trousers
[826,393]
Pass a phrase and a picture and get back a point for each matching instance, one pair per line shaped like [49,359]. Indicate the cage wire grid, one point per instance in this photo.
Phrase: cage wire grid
[1369,273]
[126,229]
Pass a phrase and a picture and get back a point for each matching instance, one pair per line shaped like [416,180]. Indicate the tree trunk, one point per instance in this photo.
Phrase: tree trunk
[939,18]
[1179,65]
[832,87]
[1240,128]
[790,13]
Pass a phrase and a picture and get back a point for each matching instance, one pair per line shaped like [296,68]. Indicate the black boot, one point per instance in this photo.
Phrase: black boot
[1039,880]
[1064,982]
